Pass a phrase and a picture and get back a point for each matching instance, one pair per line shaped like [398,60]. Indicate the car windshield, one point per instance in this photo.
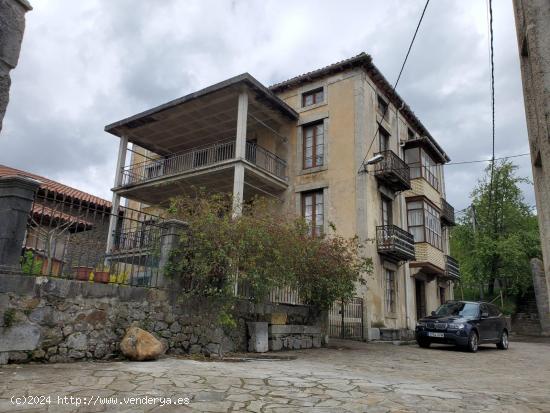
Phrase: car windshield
[458,309]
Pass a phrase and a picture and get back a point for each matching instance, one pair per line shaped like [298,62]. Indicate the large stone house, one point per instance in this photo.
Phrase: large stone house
[312,142]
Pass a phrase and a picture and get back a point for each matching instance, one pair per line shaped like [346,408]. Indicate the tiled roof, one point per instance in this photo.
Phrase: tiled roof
[49,185]
[363,60]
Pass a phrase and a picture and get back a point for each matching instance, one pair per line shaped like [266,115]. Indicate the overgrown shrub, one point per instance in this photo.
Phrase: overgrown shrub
[262,249]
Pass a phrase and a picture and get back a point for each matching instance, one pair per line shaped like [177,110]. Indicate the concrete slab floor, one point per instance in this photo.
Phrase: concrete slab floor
[346,377]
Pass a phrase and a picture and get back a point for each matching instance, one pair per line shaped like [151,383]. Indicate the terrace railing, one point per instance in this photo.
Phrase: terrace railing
[393,171]
[395,242]
[452,268]
[199,158]
[265,160]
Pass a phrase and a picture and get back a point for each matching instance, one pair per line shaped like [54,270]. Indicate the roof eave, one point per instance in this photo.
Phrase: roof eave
[245,78]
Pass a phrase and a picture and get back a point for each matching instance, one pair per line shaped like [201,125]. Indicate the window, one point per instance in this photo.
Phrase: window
[410,133]
[314,144]
[422,165]
[390,292]
[313,97]
[382,106]
[386,211]
[424,223]
[493,310]
[384,140]
[313,211]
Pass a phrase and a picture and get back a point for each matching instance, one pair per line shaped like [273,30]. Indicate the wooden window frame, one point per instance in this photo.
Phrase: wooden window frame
[315,97]
[390,298]
[384,136]
[425,173]
[380,101]
[425,202]
[389,202]
[314,144]
[313,223]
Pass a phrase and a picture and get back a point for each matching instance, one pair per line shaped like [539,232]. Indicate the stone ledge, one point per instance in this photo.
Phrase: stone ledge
[293,329]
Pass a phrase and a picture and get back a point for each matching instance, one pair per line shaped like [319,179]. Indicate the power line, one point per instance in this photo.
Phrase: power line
[413,164]
[395,85]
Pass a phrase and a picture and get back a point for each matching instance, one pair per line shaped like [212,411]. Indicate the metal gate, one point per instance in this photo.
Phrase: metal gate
[346,319]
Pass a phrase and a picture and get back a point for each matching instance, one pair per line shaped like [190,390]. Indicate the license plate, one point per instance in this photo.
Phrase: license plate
[439,335]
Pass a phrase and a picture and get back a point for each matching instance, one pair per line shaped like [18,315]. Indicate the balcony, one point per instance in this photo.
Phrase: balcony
[447,213]
[452,268]
[395,243]
[393,172]
[210,167]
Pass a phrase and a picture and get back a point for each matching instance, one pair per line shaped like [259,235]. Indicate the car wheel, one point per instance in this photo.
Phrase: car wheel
[503,342]
[473,342]
[424,343]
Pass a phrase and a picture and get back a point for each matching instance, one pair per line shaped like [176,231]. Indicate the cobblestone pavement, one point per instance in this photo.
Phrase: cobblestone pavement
[355,377]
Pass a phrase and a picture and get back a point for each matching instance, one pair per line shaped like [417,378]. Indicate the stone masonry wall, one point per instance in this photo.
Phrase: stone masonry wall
[57,320]
[12,26]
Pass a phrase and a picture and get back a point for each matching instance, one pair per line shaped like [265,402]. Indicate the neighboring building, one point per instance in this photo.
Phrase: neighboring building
[12,26]
[305,141]
[67,227]
[533,33]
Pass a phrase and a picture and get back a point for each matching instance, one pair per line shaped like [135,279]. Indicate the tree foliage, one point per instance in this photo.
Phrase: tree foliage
[498,234]
[262,249]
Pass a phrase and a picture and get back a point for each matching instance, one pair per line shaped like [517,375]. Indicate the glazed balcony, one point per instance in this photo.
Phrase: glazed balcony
[452,268]
[447,213]
[395,243]
[393,171]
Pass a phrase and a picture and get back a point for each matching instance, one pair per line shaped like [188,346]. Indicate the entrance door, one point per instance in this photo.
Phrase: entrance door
[420,299]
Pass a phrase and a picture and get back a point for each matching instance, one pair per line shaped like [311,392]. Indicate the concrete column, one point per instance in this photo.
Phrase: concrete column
[242,116]
[171,231]
[240,153]
[16,198]
[121,162]
[542,295]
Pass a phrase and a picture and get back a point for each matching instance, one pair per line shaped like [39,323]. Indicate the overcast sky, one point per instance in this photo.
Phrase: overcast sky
[85,64]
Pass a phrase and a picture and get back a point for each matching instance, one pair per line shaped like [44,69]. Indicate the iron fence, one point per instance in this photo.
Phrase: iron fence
[346,319]
[67,237]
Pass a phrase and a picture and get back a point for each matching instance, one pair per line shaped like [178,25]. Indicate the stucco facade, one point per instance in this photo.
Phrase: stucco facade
[346,192]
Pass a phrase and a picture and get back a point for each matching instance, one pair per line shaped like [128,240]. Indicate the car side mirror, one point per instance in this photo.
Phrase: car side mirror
[433,313]
[485,315]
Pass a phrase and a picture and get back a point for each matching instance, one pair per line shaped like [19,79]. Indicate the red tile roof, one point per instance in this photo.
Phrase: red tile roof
[49,185]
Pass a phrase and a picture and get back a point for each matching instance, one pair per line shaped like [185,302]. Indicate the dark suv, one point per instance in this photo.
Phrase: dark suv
[464,323]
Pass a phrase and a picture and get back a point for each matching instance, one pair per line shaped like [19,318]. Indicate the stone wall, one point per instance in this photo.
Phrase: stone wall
[12,26]
[294,337]
[57,320]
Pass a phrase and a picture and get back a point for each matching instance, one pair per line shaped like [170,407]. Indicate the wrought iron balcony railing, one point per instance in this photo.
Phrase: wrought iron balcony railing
[447,213]
[199,158]
[393,171]
[395,242]
[452,268]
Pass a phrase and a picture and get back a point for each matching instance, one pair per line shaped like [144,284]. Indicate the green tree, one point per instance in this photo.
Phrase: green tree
[498,234]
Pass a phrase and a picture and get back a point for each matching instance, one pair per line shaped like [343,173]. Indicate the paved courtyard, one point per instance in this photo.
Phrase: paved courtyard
[348,376]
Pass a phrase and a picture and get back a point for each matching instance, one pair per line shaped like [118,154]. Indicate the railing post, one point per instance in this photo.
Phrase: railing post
[16,198]
[170,235]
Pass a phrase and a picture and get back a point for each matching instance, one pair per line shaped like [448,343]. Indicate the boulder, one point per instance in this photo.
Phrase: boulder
[140,345]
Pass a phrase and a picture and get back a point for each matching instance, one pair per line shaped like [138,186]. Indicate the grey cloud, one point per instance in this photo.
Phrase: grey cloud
[86,64]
